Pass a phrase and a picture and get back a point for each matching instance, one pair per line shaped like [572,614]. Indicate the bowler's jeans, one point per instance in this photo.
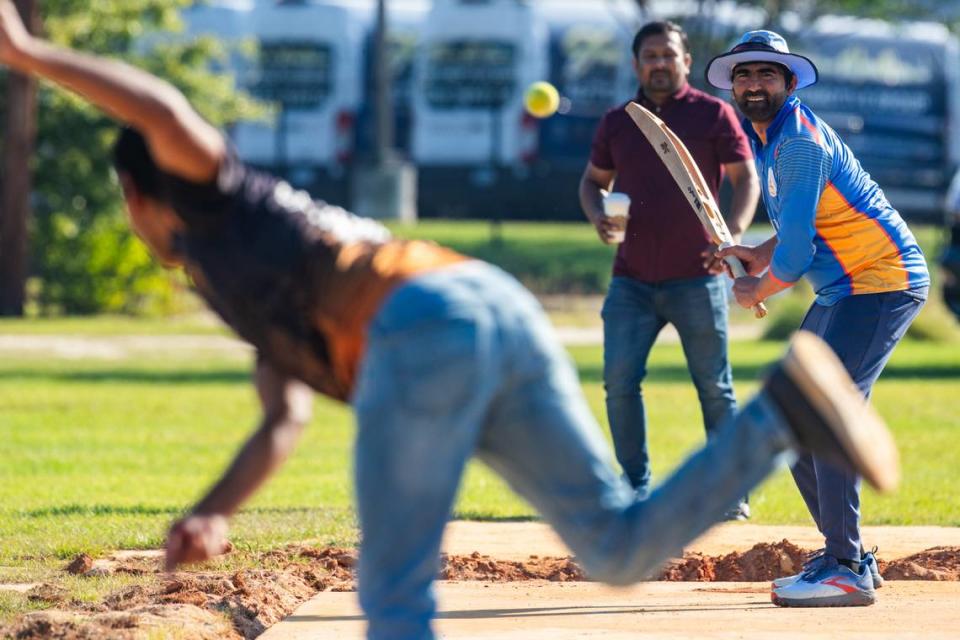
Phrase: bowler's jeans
[463,361]
[634,313]
[863,330]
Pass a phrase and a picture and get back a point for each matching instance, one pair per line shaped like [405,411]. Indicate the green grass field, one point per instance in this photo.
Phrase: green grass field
[99,454]
[102,454]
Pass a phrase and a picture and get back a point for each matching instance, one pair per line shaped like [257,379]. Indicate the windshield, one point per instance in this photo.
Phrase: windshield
[470,73]
[298,75]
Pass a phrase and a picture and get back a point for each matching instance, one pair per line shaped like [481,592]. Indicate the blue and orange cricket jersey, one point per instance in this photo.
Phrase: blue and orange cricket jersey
[833,222]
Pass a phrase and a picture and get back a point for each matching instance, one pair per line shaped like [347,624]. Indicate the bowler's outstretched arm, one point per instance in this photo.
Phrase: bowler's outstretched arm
[181,141]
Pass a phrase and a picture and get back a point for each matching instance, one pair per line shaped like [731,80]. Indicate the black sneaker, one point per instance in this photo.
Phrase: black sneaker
[828,415]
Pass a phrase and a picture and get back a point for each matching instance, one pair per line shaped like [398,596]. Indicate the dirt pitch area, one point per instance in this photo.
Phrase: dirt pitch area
[516,580]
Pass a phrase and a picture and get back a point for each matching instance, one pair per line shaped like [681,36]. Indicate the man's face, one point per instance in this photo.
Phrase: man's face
[155,223]
[661,65]
[760,89]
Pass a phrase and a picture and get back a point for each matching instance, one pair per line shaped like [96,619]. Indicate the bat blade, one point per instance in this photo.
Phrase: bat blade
[685,172]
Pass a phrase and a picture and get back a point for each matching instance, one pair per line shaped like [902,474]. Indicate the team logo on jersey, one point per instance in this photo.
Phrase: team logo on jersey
[771,183]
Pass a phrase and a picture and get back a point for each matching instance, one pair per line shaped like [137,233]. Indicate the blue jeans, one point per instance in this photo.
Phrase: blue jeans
[633,315]
[463,361]
[863,330]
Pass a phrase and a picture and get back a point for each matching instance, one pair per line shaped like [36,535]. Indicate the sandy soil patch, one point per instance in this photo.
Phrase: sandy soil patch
[498,588]
[650,610]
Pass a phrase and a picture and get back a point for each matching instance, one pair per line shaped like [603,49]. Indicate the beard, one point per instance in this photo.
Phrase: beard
[763,110]
[661,81]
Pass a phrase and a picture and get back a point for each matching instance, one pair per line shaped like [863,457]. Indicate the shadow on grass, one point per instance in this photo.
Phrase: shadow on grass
[88,510]
[476,516]
[674,373]
[113,376]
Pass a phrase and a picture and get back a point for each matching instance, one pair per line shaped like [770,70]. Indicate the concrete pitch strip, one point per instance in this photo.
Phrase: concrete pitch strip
[676,610]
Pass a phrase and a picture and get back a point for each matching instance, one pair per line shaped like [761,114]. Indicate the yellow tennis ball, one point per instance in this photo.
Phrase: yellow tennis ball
[541,99]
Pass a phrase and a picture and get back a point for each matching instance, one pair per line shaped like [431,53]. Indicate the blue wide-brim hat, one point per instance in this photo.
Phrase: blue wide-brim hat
[760,46]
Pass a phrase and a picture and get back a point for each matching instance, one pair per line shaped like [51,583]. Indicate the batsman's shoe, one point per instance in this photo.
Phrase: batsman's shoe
[815,559]
[811,564]
[832,585]
[828,415]
[870,559]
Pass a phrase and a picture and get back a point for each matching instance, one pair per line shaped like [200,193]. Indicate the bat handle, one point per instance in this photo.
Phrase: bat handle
[736,267]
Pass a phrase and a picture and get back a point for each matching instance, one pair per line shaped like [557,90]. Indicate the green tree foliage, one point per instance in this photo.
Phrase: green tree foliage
[84,257]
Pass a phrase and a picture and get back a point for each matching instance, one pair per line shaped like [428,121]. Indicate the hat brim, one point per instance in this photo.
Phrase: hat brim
[720,69]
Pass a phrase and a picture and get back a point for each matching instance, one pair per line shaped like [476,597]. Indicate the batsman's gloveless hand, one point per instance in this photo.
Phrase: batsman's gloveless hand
[712,262]
[196,538]
[754,260]
[746,291]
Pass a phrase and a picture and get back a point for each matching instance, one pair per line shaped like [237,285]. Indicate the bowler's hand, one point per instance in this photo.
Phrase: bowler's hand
[13,35]
[196,538]
[753,258]
[745,290]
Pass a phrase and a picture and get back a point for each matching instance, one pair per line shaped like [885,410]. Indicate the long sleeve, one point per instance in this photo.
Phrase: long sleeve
[802,170]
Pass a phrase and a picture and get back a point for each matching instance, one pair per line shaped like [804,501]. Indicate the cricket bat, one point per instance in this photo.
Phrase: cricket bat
[687,175]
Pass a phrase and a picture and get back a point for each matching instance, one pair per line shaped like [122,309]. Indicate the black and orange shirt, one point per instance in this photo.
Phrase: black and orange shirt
[298,279]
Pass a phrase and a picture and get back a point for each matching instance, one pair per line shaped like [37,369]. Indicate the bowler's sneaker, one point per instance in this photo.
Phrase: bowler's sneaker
[828,415]
[832,585]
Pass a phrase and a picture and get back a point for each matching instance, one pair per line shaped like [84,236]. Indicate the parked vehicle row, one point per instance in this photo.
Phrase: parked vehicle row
[460,68]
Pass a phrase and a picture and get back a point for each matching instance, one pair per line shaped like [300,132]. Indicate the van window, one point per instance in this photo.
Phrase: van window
[298,75]
[470,73]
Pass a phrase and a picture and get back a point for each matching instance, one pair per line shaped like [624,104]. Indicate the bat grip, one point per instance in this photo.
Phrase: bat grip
[736,267]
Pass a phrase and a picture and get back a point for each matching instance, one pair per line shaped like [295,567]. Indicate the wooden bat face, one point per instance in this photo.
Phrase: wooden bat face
[684,170]
[686,174]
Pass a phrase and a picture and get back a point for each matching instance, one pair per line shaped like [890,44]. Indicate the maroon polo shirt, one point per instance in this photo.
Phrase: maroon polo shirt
[664,237]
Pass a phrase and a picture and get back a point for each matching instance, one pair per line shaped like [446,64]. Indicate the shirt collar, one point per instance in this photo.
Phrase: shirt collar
[789,106]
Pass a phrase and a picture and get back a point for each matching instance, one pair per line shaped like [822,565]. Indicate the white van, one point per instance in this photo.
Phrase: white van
[892,92]
[315,64]
[479,153]
[309,62]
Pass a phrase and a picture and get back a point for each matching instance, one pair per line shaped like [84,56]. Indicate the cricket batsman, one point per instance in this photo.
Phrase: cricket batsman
[834,225]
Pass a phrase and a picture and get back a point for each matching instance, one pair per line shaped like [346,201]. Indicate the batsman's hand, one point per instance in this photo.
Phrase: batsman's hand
[13,35]
[754,259]
[746,291]
[196,538]
[712,262]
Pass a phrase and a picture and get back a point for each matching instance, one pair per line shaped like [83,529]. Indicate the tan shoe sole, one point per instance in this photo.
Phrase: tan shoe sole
[858,429]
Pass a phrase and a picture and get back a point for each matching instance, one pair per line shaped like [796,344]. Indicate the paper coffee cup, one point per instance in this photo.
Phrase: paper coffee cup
[616,206]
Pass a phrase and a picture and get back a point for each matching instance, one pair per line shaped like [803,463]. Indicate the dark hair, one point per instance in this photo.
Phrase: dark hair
[787,73]
[131,156]
[659,28]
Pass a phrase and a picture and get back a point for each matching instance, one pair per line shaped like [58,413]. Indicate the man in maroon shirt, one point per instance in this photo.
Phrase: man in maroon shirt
[664,271]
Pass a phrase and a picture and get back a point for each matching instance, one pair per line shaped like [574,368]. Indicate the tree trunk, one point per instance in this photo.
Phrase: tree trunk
[20,130]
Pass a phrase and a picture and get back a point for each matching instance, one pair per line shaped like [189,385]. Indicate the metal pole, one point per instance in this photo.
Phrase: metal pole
[383,88]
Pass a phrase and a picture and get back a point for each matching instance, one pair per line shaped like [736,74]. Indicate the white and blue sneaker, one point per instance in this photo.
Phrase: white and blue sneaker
[870,559]
[831,584]
[814,560]
[812,563]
